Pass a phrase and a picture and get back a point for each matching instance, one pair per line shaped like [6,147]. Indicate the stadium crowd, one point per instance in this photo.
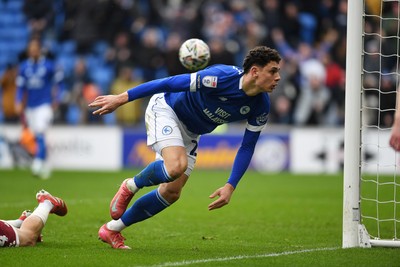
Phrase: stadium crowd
[108,46]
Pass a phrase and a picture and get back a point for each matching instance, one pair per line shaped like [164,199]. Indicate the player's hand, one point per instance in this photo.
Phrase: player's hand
[19,108]
[395,137]
[224,193]
[108,103]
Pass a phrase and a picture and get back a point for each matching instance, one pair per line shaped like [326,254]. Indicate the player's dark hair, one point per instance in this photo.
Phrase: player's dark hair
[260,56]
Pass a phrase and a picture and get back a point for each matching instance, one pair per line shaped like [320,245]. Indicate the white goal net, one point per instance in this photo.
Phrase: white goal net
[380,184]
[371,214]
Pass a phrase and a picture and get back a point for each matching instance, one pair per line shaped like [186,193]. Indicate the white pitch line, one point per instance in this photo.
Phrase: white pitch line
[70,202]
[240,257]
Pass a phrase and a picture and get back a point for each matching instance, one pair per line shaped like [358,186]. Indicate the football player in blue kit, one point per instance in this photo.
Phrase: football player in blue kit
[35,95]
[181,109]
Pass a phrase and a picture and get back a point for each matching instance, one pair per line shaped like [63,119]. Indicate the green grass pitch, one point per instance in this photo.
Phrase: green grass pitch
[273,220]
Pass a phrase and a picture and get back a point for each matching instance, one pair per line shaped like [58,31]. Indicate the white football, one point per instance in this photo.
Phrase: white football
[194,54]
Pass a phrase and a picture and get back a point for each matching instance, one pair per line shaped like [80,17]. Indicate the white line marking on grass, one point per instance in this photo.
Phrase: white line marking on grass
[26,204]
[240,257]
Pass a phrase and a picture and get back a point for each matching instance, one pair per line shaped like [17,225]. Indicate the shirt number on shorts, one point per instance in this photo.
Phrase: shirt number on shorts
[193,151]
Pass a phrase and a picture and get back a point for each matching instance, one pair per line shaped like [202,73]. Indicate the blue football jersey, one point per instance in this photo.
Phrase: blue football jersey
[211,97]
[215,97]
[36,80]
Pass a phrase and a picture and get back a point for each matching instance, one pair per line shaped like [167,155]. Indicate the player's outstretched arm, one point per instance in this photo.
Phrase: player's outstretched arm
[224,196]
[108,103]
[395,134]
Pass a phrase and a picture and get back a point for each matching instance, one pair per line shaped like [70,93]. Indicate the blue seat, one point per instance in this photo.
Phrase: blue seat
[4,46]
[103,77]
[67,63]
[20,32]
[100,48]
[110,119]
[5,33]
[3,7]
[6,19]
[15,5]
[67,48]
[7,58]
[19,19]
[4,59]
[73,114]
[93,61]
[51,45]
[18,46]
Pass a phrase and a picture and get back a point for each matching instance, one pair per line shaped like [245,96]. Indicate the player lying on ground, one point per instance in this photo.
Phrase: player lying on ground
[26,230]
[182,108]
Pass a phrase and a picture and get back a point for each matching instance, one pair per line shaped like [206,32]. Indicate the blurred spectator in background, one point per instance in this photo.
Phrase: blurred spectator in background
[245,16]
[89,92]
[131,113]
[35,83]
[371,65]
[335,81]
[74,106]
[151,57]
[284,98]
[219,22]
[317,68]
[84,23]
[114,17]
[219,53]
[147,34]
[121,52]
[340,22]
[304,51]
[297,54]
[387,100]
[181,18]
[325,13]
[389,45]
[271,18]
[314,95]
[40,15]
[172,63]
[8,90]
[290,23]
[370,100]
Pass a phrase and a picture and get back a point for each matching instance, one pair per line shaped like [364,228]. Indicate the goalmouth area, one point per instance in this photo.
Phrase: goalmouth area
[371,200]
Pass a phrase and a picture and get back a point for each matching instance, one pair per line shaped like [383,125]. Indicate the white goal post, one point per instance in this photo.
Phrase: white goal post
[355,232]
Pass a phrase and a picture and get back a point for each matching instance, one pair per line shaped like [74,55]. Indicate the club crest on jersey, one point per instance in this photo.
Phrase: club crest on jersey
[167,130]
[198,84]
[210,81]
[3,240]
[244,110]
[262,119]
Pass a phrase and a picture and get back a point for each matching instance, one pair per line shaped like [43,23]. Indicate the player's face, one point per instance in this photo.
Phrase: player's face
[268,77]
[34,49]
